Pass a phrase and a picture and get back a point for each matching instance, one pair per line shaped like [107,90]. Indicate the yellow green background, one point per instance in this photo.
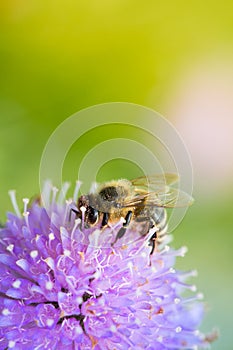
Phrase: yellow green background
[57,57]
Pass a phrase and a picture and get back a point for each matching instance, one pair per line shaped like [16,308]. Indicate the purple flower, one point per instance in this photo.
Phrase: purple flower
[65,287]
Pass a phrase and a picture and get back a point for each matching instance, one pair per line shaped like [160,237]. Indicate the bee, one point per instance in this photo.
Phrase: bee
[142,202]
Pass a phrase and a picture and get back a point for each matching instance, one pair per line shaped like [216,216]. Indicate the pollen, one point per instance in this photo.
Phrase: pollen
[177,301]
[178,329]
[183,251]
[49,322]
[159,311]
[82,255]
[200,296]
[10,248]
[193,288]
[83,209]
[67,252]
[49,285]
[6,312]
[113,328]
[11,344]
[79,300]
[51,236]
[34,254]
[16,284]
[158,300]
[78,330]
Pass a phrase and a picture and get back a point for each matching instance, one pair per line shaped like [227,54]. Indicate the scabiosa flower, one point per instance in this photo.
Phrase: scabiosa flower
[66,287]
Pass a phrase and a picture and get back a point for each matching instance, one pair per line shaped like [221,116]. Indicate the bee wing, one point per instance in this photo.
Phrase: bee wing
[156,182]
[173,198]
[169,199]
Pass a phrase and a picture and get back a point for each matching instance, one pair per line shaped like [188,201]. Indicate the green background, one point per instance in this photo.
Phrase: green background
[57,57]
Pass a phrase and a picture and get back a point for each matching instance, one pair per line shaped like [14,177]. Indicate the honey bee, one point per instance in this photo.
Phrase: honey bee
[142,202]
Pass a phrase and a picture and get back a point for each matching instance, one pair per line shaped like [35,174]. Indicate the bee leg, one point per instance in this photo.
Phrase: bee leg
[75,211]
[105,219]
[145,219]
[122,230]
[128,218]
[152,242]
[153,238]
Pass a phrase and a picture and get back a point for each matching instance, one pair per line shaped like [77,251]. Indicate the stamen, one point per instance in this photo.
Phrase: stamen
[34,254]
[50,262]
[14,203]
[177,301]
[51,236]
[93,187]
[193,288]
[196,332]
[167,272]
[11,344]
[67,252]
[54,194]
[67,209]
[63,192]
[76,223]
[178,329]
[45,195]
[116,226]
[130,266]
[166,239]
[16,284]
[187,274]
[49,285]
[10,248]
[25,201]
[194,273]
[83,210]
[183,251]
[79,300]
[94,238]
[26,214]
[160,339]
[113,328]
[199,296]
[165,249]
[49,322]
[158,300]
[6,312]
[76,190]
[78,330]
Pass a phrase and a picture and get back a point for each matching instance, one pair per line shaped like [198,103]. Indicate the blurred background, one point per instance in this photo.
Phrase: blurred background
[176,57]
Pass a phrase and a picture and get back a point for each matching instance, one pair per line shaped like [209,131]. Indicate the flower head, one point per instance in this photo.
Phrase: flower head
[66,286]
